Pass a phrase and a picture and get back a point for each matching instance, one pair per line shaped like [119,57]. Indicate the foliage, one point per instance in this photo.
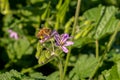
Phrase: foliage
[86,69]
[95,54]
[14,75]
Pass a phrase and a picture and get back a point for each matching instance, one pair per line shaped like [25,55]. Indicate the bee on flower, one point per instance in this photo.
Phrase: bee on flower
[57,43]
[61,41]
[45,34]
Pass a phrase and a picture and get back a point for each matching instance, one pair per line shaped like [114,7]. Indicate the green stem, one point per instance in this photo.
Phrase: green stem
[73,32]
[100,62]
[113,37]
[52,45]
[30,68]
[76,17]
[66,63]
[61,69]
[97,49]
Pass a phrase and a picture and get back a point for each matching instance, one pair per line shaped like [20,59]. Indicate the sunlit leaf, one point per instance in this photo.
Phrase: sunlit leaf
[15,75]
[112,74]
[22,47]
[104,18]
[53,76]
[83,67]
[82,41]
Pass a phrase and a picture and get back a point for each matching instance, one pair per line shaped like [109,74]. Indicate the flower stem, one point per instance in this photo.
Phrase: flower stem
[73,32]
[76,17]
[52,45]
[61,69]
[97,49]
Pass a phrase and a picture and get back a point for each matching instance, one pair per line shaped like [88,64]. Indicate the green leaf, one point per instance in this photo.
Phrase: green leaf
[94,14]
[53,76]
[19,48]
[83,67]
[116,58]
[104,18]
[82,41]
[22,47]
[10,51]
[99,22]
[14,75]
[37,76]
[112,74]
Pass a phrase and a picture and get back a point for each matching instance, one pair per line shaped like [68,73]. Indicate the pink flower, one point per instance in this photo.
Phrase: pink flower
[62,41]
[13,34]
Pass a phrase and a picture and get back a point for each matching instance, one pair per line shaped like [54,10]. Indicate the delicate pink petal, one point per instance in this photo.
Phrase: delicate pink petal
[9,30]
[64,38]
[57,39]
[64,49]
[16,36]
[57,44]
[54,32]
[43,40]
[68,43]
[13,34]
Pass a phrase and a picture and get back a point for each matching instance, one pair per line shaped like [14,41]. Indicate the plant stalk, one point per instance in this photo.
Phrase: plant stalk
[97,49]
[61,69]
[73,32]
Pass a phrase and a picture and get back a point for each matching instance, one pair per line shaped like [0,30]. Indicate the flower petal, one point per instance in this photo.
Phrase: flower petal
[16,36]
[57,44]
[64,49]
[9,30]
[57,39]
[68,43]
[64,38]
[13,34]
[43,40]
[54,32]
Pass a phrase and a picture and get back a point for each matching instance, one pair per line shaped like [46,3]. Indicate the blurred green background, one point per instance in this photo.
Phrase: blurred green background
[97,28]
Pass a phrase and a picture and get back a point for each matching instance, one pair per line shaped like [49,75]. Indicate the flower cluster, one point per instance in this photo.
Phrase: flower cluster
[61,41]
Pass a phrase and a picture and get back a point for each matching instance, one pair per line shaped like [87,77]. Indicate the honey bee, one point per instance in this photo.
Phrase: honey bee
[45,32]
